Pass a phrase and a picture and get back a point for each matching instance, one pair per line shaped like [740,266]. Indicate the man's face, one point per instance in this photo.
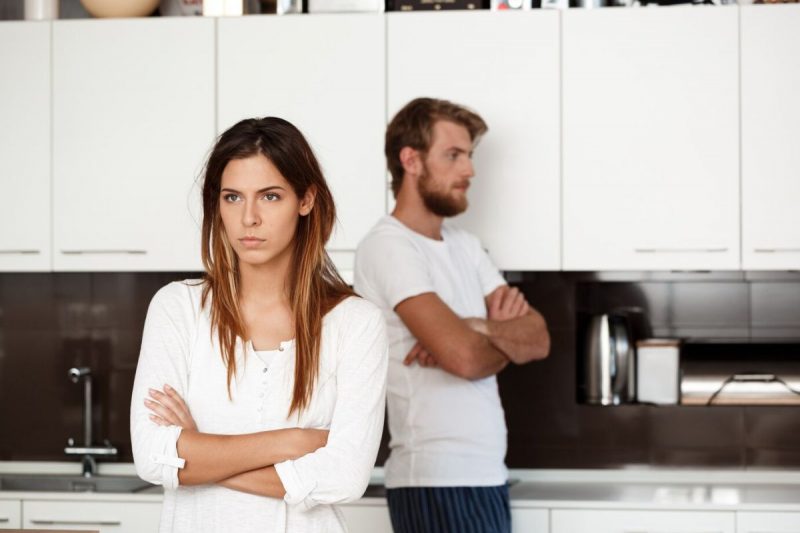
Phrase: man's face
[447,170]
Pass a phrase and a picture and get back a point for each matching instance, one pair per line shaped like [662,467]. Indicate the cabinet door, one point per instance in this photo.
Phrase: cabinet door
[615,521]
[651,137]
[505,66]
[133,117]
[530,520]
[366,517]
[326,75]
[25,146]
[105,517]
[10,514]
[770,129]
[771,522]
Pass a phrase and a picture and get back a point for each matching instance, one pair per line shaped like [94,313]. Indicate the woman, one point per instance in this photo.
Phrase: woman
[259,394]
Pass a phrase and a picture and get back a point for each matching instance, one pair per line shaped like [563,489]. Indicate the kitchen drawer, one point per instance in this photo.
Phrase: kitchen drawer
[116,517]
[530,520]
[627,521]
[10,514]
[767,522]
[366,518]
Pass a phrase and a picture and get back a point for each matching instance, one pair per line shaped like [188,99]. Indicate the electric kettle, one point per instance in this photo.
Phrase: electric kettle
[610,360]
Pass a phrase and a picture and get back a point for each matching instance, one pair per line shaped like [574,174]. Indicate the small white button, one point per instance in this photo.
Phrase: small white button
[259,408]
[261,395]
[264,370]
[280,348]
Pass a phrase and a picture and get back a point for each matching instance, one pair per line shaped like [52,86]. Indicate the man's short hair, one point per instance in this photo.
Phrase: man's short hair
[413,126]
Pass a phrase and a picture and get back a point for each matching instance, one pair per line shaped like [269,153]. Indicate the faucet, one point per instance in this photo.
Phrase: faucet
[87,452]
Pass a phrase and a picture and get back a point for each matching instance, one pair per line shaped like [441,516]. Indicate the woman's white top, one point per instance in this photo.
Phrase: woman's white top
[180,349]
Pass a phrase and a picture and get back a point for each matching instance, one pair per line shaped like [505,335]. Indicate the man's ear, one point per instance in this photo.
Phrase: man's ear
[411,160]
[307,201]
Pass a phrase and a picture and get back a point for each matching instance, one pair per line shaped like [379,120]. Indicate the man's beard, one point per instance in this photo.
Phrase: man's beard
[438,202]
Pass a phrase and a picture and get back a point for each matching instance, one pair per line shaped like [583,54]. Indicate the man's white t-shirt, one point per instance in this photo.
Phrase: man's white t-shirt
[445,430]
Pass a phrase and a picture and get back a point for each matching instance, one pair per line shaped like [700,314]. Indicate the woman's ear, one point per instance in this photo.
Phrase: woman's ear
[307,201]
[411,161]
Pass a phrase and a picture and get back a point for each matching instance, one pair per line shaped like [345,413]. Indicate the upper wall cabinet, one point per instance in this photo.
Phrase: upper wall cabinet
[133,119]
[25,146]
[326,75]
[651,136]
[505,66]
[770,133]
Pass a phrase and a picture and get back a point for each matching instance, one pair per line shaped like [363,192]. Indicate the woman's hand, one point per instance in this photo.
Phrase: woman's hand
[307,440]
[169,409]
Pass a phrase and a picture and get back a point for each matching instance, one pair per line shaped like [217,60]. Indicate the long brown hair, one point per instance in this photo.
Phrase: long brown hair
[315,286]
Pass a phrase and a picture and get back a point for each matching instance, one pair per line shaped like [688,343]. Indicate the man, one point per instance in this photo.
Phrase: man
[453,323]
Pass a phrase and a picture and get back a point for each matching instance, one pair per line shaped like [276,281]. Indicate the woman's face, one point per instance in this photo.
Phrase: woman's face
[259,210]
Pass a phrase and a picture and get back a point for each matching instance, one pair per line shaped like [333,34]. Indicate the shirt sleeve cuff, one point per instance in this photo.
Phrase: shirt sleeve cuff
[296,491]
[169,460]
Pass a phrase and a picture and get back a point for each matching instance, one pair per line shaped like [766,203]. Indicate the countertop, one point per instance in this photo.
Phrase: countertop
[641,488]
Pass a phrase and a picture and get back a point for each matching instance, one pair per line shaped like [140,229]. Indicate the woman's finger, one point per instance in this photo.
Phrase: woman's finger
[162,411]
[176,406]
[413,355]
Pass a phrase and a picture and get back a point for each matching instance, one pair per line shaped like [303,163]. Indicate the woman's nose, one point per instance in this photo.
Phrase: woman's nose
[250,215]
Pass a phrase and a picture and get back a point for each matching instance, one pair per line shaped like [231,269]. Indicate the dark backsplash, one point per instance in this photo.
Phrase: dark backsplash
[51,322]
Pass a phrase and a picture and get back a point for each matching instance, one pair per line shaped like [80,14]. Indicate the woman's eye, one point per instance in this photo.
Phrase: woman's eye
[271,196]
[230,197]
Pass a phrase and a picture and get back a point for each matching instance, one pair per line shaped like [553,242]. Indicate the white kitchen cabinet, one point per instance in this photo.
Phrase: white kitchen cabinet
[628,521]
[505,66]
[651,139]
[326,75]
[25,146]
[770,129]
[367,516]
[10,514]
[133,118]
[529,520]
[106,517]
[767,522]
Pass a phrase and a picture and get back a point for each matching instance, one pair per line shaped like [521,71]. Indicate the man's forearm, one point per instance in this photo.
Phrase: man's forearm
[261,482]
[521,339]
[212,458]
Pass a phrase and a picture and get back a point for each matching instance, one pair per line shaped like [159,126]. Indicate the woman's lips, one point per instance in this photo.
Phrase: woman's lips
[251,242]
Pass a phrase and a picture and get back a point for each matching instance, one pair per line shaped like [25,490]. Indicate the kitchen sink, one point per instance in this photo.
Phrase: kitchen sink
[57,483]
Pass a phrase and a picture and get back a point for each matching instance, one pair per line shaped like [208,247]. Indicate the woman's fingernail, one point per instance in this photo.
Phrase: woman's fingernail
[167,387]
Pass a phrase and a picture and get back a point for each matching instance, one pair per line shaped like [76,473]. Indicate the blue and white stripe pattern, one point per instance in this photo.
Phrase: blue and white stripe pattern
[450,509]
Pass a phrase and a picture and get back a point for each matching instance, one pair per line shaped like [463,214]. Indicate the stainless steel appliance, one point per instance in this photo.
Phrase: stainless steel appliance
[609,360]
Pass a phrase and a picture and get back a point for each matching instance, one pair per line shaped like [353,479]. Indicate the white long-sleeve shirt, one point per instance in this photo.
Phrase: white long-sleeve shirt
[180,349]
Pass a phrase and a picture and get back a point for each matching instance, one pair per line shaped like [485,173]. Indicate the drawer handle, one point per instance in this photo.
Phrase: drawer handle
[106,252]
[647,531]
[776,250]
[44,522]
[3,520]
[20,252]
[679,251]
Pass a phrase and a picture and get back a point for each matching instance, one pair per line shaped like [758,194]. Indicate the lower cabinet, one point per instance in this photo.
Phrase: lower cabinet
[367,517]
[105,517]
[618,521]
[530,520]
[10,514]
[767,522]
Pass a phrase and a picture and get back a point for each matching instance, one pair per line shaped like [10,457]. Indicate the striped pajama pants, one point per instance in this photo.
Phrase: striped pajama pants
[450,509]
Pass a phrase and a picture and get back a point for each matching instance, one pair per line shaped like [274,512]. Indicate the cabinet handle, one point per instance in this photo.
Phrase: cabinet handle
[679,251]
[20,252]
[45,522]
[3,520]
[107,252]
[651,531]
[776,250]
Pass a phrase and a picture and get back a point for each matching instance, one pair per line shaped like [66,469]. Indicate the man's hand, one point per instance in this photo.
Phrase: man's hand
[421,356]
[506,303]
